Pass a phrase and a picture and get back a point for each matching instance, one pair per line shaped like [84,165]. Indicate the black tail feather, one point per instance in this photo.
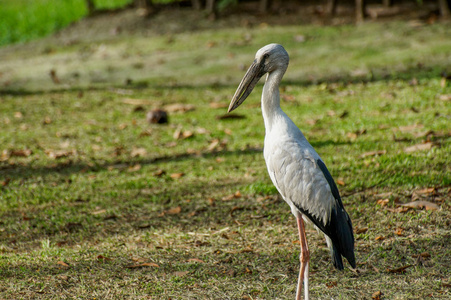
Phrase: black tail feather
[336,258]
[342,238]
[339,228]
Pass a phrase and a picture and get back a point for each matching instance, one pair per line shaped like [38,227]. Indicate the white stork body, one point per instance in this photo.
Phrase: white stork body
[295,168]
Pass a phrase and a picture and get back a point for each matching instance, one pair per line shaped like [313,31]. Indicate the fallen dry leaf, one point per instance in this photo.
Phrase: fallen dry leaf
[228,131]
[376,295]
[213,144]
[63,277]
[174,210]
[177,133]
[361,230]
[340,182]
[137,101]
[445,97]
[410,128]
[399,232]
[56,154]
[311,121]
[139,259]
[384,195]
[425,254]
[187,134]
[20,153]
[232,196]
[373,153]
[288,98]
[399,209]
[331,284]
[419,147]
[235,208]
[400,270]
[62,263]
[426,191]
[170,144]
[180,273]
[426,133]
[65,144]
[98,212]
[146,132]
[148,264]
[420,204]
[54,77]
[23,127]
[18,115]
[5,155]
[382,202]
[423,193]
[138,152]
[380,238]
[159,173]
[201,130]
[103,258]
[178,107]
[46,121]
[218,105]
[177,175]
[351,135]
[134,168]
[196,260]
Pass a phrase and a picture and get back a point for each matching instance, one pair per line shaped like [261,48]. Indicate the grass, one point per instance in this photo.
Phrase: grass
[82,225]
[23,20]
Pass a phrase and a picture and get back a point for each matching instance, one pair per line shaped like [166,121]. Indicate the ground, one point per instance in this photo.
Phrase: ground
[95,202]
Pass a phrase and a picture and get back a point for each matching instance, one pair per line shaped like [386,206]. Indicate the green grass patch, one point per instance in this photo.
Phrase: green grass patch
[95,201]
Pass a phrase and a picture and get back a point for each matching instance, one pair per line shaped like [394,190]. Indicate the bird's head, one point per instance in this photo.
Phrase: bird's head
[268,59]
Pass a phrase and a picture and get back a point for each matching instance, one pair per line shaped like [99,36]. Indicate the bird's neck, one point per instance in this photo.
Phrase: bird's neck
[271,98]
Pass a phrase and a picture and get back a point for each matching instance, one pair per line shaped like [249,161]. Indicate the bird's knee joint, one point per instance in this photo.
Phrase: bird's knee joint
[304,257]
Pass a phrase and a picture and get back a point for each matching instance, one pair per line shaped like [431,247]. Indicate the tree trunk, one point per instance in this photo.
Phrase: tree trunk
[444,9]
[143,4]
[386,3]
[197,5]
[210,7]
[91,6]
[359,7]
[331,7]
[264,5]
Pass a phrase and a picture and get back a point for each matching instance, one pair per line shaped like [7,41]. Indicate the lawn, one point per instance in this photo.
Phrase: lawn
[96,203]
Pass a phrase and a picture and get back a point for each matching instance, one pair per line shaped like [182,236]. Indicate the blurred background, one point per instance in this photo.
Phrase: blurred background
[123,177]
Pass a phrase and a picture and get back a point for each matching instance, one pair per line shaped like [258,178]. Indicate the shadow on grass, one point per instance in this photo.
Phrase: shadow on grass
[271,264]
[418,72]
[70,167]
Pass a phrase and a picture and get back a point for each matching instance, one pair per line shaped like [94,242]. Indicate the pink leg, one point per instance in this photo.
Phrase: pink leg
[304,258]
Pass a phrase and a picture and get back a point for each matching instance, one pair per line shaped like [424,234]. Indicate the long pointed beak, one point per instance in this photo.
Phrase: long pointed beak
[247,84]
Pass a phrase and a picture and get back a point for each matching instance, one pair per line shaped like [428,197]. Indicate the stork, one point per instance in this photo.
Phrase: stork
[297,171]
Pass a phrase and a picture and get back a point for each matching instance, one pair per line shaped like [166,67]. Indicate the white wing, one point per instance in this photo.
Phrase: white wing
[294,171]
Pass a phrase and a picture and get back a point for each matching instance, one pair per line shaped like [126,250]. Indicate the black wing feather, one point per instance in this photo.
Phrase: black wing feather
[339,229]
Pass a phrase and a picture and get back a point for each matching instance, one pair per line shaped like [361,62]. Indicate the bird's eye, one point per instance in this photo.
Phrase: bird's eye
[265,56]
